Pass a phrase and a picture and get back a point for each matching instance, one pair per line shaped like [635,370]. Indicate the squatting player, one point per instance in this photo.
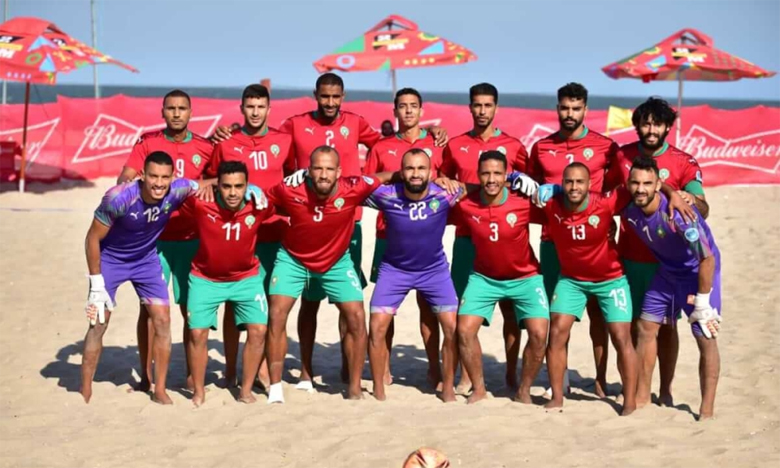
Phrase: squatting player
[505,269]
[178,243]
[688,278]
[120,247]
[226,270]
[653,120]
[386,155]
[415,218]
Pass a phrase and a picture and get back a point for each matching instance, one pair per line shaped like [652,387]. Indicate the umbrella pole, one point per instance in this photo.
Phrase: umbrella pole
[679,106]
[24,136]
[395,84]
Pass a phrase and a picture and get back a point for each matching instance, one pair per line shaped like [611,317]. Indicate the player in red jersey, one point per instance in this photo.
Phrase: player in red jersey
[653,120]
[226,270]
[575,142]
[505,268]
[266,153]
[316,247]
[387,155]
[460,161]
[178,243]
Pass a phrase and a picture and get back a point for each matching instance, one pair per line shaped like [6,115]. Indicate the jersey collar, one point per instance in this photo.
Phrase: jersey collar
[504,197]
[261,134]
[580,137]
[423,135]
[186,139]
[316,116]
[496,132]
[659,151]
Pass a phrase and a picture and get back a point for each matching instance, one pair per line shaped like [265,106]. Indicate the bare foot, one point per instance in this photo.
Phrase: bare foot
[162,398]
[198,399]
[523,396]
[463,388]
[628,410]
[600,389]
[511,381]
[642,400]
[666,400]
[476,396]
[379,394]
[355,395]
[706,416]
[388,378]
[447,396]
[189,385]
[554,404]
[248,399]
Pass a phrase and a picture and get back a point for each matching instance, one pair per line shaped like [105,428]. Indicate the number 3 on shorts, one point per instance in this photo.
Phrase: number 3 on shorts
[542,297]
[354,281]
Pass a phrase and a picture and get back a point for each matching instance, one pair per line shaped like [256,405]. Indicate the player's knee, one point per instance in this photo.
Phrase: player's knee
[449,330]
[255,333]
[647,330]
[199,336]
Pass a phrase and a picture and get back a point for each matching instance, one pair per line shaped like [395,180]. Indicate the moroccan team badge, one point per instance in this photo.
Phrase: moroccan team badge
[196,160]
[275,150]
[663,173]
[250,220]
[166,207]
[501,150]
[339,203]
[660,232]
[511,219]
[594,221]
[434,205]
[428,152]
[344,131]
[588,153]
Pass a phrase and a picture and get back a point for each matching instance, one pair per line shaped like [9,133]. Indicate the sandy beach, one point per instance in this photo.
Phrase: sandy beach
[45,422]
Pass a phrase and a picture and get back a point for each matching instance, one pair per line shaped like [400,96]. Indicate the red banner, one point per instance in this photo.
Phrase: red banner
[90,138]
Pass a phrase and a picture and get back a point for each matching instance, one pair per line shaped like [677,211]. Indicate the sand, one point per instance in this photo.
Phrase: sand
[45,423]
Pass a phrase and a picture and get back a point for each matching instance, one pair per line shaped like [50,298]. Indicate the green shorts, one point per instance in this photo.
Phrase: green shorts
[379,252]
[314,290]
[639,276]
[340,283]
[247,296]
[482,294]
[266,252]
[613,296]
[463,255]
[551,266]
[176,260]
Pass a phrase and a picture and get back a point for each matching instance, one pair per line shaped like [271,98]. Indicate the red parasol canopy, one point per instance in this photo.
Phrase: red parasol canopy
[395,42]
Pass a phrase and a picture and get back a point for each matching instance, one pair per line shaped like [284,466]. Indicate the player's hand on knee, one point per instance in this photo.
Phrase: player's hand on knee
[522,183]
[296,178]
[98,300]
[706,316]
[256,195]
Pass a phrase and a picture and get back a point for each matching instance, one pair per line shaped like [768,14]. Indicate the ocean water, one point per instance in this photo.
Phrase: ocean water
[42,93]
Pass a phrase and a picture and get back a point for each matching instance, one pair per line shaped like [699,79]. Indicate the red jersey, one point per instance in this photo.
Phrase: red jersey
[461,158]
[585,249]
[385,156]
[677,168]
[266,156]
[321,229]
[190,158]
[500,235]
[227,239]
[550,156]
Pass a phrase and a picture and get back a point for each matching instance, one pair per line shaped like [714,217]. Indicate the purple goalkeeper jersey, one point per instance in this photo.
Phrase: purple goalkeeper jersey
[135,225]
[414,228]
[678,245]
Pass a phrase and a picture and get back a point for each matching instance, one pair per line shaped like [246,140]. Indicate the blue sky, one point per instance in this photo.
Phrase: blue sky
[523,46]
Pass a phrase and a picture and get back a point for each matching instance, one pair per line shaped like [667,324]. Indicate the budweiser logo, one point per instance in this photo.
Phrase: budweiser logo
[111,136]
[757,151]
[38,136]
[538,132]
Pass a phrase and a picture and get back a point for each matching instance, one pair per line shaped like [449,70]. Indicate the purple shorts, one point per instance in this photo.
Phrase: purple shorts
[146,276]
[666,297]
[393,285]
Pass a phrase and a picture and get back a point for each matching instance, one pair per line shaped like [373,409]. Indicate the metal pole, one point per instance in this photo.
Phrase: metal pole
[679,106]
[395,86]
[24,136]
[94,46]
[5,18]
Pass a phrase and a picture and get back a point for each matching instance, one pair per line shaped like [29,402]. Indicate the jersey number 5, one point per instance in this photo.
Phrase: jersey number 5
[318,214]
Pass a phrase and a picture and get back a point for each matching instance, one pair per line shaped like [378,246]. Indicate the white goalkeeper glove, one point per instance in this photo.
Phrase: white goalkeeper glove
[708,318]
[296,178]
[97,300]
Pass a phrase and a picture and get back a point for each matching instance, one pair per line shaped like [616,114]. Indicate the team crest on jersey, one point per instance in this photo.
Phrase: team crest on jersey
[588,153]
[511,218]
[196,160]
[501,150]
[250,220]
[274,280]
[166,207]
[692,234]
[339,203]
[428,152]
[660,232]
[275,150]
[434,205]
[663,174]
[594,221]
[344,131]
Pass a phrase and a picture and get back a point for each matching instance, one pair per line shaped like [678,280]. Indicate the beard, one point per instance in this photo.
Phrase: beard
[653,146]
[416,188]
[646,202]
[567,124]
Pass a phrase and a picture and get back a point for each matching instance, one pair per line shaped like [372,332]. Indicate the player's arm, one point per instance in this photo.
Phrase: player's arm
[677,203]
[455,187]
[224,132]
[135,162]
[532,166]
[128,174]
[614,176]
[693,187]
[448,167]
[367,135]
[537,215]
[97,232]
[98,300]
[520,182]
[439,134]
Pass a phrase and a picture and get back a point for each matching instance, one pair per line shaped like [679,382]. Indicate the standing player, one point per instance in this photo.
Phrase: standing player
[461,158]
[653,120]
[687,278]
[316,247]
[575,142]
[120,247]
[266,153]
[416,216]
[178,243]
[505,269]
[226,270]
[386,155]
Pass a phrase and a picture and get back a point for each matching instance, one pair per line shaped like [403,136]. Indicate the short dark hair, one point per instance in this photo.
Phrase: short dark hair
[255,91]
[232,167]
[414,151]
[577,165]
[658,109]
[492,155]
[644,163]
[158,157]
[574,91]
[406,92]
[325,149]
[483,89]
[177,93]
[329,79]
